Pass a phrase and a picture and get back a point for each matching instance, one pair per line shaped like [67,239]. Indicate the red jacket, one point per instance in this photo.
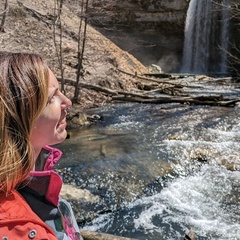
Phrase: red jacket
[36,211]
[18,221]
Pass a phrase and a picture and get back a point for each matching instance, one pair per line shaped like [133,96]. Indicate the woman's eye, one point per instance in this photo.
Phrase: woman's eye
[53,96]
[50,100]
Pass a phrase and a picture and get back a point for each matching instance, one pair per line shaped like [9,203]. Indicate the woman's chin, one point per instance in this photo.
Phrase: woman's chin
[61,136]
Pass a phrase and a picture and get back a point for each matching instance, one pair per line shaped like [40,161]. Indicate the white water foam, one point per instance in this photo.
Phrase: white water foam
[199,201]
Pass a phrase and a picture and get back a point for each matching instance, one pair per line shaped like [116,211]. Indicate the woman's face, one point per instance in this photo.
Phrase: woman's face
[49,128]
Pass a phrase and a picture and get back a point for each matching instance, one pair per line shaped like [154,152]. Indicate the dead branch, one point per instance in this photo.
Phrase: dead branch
[172,90]
[81,48]
[58,44]
[4,16]
[183,100]
[164,80]
[125,96]
[109,91]
[91,87]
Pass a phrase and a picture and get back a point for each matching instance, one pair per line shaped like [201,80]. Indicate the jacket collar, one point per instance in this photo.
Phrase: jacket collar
[47,159]
[44,180]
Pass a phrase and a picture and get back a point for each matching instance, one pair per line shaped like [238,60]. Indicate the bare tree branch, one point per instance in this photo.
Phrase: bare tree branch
[81,48]
[4,16]
[58,46]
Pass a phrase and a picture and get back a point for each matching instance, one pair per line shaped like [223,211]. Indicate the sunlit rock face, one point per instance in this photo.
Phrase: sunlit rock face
[151,30]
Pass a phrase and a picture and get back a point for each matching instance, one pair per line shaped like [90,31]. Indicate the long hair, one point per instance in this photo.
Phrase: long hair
[23,95]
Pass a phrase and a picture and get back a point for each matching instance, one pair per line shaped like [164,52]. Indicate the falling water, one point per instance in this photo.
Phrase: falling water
[206,36]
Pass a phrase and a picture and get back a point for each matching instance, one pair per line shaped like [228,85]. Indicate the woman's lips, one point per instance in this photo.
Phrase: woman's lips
[62,124]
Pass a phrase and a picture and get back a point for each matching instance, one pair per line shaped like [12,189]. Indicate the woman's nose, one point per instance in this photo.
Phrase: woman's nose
[69,103]
[66,102]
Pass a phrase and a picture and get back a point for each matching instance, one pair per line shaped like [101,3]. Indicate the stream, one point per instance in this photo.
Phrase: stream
[159,169]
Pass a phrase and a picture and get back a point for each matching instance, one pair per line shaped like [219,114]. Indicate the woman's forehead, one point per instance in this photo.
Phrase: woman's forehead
[53,83]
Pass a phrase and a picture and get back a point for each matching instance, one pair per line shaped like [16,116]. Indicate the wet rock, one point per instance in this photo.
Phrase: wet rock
[190,235]
[87,235]
[71,193]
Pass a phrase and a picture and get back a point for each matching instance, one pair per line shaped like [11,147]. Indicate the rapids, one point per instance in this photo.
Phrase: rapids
[159,170]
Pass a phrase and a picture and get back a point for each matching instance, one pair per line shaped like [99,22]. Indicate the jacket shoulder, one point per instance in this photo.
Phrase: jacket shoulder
[18,221]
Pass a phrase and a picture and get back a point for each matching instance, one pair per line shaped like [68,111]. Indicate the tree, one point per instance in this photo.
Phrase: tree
[81,45]
[4,13]
[81,39]
[58,4]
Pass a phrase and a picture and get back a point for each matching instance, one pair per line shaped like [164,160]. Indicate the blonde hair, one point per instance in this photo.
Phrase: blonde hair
[23,95]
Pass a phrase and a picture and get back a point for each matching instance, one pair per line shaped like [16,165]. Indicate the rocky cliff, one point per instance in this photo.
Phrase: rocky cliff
[150,30]
[156,15]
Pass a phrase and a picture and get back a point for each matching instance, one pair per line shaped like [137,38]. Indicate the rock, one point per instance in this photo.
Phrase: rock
[190,235]
[87,235]
[155,69]
[70,192]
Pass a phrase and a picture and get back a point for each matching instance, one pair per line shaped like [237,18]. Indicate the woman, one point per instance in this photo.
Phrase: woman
[32,116]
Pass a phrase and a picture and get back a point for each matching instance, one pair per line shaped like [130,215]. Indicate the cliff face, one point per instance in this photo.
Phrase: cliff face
[151,30]
[139,13]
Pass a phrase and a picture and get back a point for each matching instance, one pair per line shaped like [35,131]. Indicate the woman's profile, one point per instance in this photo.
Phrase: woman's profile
[32,118]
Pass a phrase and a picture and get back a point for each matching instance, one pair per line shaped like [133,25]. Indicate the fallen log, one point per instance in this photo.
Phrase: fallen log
[163,81]
[167,90]
[184,100]
[88,235]
[126,96]
[116,92]
[90,86]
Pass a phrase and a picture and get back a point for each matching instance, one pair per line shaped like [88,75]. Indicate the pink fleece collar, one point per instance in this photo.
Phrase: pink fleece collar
[55,183]
[55,155]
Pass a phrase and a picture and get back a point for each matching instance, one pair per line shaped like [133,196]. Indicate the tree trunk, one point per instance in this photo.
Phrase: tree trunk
[4,16]
[81,51]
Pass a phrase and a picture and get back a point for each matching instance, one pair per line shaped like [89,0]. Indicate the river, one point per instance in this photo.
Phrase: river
[160,169]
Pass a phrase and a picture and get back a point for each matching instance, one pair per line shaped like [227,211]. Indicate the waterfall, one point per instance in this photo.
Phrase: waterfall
[206,36]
